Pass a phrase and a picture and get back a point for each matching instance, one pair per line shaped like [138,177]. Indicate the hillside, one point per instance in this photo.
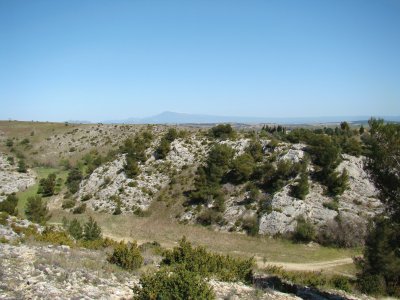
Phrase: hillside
[159,183]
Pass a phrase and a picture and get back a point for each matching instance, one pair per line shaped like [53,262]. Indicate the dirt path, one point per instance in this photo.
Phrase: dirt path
[317,266]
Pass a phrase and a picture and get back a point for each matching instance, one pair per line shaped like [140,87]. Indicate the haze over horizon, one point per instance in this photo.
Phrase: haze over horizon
[101,60]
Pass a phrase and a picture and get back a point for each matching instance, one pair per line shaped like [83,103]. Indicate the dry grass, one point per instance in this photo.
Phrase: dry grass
[161,228]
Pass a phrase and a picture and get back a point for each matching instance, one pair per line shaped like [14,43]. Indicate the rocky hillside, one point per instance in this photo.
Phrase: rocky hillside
[108,188]
[36,270]
[12,181]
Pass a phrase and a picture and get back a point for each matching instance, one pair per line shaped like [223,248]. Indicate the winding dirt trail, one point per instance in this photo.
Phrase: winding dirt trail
[308,266]
[316,266]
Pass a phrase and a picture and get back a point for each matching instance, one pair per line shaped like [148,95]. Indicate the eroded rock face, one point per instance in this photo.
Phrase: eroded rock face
[109,181]
[12,181]
[356,203]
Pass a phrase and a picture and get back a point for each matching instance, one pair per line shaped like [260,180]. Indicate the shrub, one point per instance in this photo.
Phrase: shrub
[222,131]
[54,237]
[68,203]
[301,189]
[372,284]
[75,229]
[36,210]
[304,232]
[22,166]
[92,231]
[241,169]
[86,197]
[250,225]
[209,216]
[171,284]
[79,209]
[47,185]
[131,167]
[73,180]
[332,205]
[199,261]
[9,205]
[127,256]
[336,183]
[342,232]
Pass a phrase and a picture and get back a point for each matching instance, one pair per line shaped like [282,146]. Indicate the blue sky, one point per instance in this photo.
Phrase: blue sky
[100,60]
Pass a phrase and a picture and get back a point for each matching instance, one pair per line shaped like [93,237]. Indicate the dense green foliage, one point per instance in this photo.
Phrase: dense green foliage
[135,151]
[92,230]
[276,177]
[222,131]
[47,185]
[75,229]
[199,261]
[380,269]
[9,205]
[209,177]
[74,178]
[127,256]
[22,166]
[175,284]
[36,210]
[242,168]
[301,189]
[165,144]
[305,231]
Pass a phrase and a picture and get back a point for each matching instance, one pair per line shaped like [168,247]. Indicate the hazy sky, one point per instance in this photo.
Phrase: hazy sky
[98,60]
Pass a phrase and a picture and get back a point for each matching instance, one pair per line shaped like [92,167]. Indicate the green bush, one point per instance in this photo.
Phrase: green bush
[222,131]
[336,183]
[332,205]
[92,230]
[241,168]
[250,225]
[73,180]
[174,284]
[47,185]
[127,256]
[165,144]
[301,189]
[22,166]
[304,232]
[372,284]
[201,262]
[36,210]
[9,205]
[79,209]
[75,229]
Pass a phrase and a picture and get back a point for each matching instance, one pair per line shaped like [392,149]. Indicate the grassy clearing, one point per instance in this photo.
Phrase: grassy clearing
[41,172]
[158,227]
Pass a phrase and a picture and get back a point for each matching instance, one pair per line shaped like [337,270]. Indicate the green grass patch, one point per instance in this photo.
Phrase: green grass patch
[41,172]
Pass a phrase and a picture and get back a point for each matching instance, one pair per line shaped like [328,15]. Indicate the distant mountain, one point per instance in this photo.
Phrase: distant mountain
[169,117]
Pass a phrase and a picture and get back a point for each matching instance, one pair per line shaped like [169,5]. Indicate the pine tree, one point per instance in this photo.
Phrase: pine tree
[92,231]
[75,229]
[36,210]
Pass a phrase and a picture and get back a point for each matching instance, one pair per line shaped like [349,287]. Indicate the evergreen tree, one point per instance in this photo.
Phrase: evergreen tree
[301,190]
[36,210]
[47,185]
[73,180]
[22,166]
[92,231]
[75,229]
[380,269]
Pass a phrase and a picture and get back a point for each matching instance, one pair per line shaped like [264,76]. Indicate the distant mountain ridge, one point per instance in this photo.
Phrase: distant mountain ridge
[169,117]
